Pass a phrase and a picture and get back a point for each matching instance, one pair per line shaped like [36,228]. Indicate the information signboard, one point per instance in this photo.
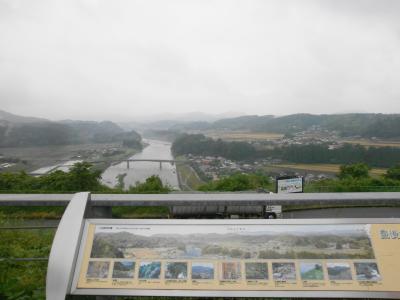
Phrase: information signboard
[128,257]
[285,185]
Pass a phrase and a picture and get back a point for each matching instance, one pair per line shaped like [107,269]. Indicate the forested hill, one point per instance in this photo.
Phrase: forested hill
[365,125]
[18,131]
[198,144]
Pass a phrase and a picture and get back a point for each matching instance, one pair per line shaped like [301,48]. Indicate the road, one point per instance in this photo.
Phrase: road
[348,212]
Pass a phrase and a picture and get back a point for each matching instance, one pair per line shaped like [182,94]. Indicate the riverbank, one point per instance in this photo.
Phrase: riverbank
[138,172]
[33,158]
[189,180]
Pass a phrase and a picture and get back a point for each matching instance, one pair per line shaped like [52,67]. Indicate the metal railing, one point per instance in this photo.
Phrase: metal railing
[175,199]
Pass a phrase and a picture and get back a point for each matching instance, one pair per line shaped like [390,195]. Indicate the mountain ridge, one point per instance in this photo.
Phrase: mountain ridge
[21,131]
[354,124]
[13,118]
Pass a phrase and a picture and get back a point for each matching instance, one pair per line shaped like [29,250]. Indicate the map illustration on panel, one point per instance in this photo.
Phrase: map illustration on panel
[248,242]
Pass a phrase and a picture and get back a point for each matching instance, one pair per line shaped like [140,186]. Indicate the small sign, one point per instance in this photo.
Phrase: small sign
[286,185]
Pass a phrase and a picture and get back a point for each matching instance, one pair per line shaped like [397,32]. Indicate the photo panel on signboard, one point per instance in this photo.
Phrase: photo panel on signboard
[176,270]
[367,271]
[124,269]
[311,271]
[203,270]
[98,269]
[256,270]
[284,271]
[231,271]
[150,270]
[339,271]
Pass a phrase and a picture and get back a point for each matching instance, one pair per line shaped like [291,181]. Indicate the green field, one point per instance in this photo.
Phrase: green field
[243,135]
[373,143]
[323,168]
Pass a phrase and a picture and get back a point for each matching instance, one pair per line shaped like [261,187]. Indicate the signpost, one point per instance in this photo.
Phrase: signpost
[223,258]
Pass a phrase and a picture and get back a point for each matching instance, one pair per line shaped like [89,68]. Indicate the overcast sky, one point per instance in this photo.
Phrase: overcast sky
[126,58]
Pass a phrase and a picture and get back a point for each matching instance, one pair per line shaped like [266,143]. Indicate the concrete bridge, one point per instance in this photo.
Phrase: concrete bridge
[171,161]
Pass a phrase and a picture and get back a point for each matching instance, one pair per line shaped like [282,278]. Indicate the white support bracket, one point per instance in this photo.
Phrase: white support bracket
[65,247]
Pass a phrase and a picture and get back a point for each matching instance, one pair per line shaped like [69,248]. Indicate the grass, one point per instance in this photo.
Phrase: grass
[31,212]
[141,212]
[24,280]
[324,168]
[54,213]
[189,179]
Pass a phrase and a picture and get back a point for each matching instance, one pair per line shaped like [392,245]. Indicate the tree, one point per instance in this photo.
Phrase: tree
[393,172]
[132,143]
[198,144]
[81,177]
[17,182]
[153,184]
[359,170]
[237,182]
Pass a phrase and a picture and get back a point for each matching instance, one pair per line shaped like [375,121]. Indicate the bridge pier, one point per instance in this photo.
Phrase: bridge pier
[127,164]
[160,165]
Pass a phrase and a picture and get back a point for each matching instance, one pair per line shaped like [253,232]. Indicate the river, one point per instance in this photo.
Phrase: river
[139,171]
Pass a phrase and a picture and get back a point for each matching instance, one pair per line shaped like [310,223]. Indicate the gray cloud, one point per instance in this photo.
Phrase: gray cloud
[100,59]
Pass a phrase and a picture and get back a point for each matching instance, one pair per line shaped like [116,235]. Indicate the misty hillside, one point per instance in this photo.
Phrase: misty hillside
[365,125]
[11,118]
[169,120]
[16,131]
